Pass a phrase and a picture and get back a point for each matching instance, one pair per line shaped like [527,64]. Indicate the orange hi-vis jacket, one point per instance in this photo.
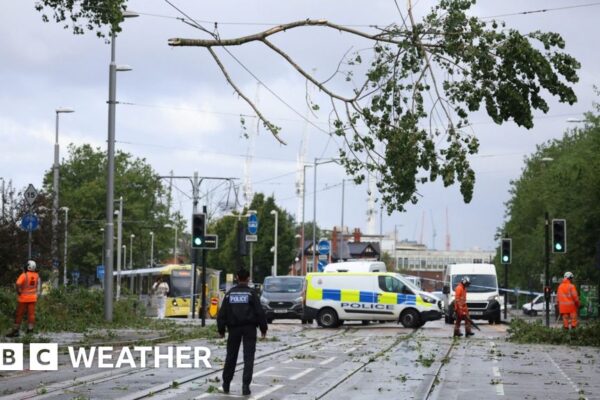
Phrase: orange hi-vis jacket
[460,299]
[566,297]
[27,286]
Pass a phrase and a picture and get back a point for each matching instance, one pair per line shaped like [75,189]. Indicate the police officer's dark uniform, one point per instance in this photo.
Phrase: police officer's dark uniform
[241,313]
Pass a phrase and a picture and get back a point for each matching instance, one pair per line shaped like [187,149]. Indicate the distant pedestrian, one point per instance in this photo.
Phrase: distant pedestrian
[241,313]
[567,301]
[160,289]
[28,287]
[460,307]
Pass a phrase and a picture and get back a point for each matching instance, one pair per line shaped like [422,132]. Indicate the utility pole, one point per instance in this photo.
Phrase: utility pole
[340,250]
[66,210]
[547,265]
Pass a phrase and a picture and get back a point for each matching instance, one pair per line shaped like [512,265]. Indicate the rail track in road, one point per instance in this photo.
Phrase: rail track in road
[59,388]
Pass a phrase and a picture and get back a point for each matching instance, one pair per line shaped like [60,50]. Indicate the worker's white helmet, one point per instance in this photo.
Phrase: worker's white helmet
[466,280]
[31,266]
[568,275]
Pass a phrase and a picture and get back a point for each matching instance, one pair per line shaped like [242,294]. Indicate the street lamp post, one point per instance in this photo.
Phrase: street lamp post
[303,269]
[546,160]
[124,254]
[151,249]
[110,175]
[66,210]
[55,189]
[119,214]
[274,270]
[314,236]
[131,251]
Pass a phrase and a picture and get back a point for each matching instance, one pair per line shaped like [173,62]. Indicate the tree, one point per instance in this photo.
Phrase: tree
[381,116]
[226,257]
[83,190]
[14,240]
[567,187]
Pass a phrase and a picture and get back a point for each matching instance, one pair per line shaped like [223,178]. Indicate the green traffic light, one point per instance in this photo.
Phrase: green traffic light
[197,241]
[558,246]
[505,258]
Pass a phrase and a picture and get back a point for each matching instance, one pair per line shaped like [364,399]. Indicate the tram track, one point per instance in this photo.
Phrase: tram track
[163,387]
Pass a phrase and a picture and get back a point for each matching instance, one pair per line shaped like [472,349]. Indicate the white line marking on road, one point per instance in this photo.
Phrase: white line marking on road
[301,374]
[266,392]
[288,361]
[325,362]
[499,386]
[573,385]
[350,350]
[500,389]
[263,371]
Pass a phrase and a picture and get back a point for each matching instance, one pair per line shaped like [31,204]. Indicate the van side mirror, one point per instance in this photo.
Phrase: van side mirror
[446,289]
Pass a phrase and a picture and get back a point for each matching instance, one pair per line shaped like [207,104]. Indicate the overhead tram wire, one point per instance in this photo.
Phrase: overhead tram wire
[363,25]
[198,26]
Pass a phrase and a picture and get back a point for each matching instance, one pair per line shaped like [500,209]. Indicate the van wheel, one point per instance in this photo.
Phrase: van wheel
[364,322]
[269,320]
[533,313]
[327,318]
[310,321]
[410,318]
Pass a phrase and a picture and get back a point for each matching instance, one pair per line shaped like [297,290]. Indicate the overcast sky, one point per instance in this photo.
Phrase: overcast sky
[182,115]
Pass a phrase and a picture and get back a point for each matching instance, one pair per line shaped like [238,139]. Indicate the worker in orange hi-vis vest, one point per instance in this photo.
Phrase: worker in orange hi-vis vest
[28,285]
[568,301]
[460,307]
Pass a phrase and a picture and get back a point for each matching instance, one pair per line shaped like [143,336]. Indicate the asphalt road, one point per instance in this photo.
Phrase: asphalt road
[378,361]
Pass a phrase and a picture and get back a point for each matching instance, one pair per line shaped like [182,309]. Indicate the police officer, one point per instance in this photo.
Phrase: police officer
[240,313]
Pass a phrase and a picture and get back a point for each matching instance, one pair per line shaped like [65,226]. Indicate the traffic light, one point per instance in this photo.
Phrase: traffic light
[506,251]
[559,236]
[198,230]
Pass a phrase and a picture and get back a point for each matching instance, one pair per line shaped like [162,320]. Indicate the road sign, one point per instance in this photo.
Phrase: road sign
[251,238]
[30,194]
[211,242]
[323,246]
[321,265]
[323,256]
[100,272]
[252,225]
[30,222]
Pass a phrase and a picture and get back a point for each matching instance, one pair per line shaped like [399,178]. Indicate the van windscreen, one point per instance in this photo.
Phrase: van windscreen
[479,283]
[283,285]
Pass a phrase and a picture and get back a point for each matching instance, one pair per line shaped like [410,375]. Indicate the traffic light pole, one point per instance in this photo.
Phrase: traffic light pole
[505,290]
[203,299]
[196,197]
[547,266]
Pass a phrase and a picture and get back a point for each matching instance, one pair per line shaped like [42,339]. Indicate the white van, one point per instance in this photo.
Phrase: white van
[356,266]
[332,298]
[483,296]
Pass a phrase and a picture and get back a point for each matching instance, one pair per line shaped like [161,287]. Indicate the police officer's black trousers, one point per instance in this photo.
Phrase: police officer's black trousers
[237,334]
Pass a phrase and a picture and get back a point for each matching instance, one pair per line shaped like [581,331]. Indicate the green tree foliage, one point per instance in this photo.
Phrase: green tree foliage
[567,187]
[429,73]
[83,190]
[226,258]
[13,240]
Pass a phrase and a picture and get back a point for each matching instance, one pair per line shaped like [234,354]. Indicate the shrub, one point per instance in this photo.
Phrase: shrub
[586,334]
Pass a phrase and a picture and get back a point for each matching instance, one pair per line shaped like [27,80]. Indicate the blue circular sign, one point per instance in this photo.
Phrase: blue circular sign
[321,265]
[30,222]
[323,247]
[252,224]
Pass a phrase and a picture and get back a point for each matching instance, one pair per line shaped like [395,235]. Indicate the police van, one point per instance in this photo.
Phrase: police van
[332,298]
